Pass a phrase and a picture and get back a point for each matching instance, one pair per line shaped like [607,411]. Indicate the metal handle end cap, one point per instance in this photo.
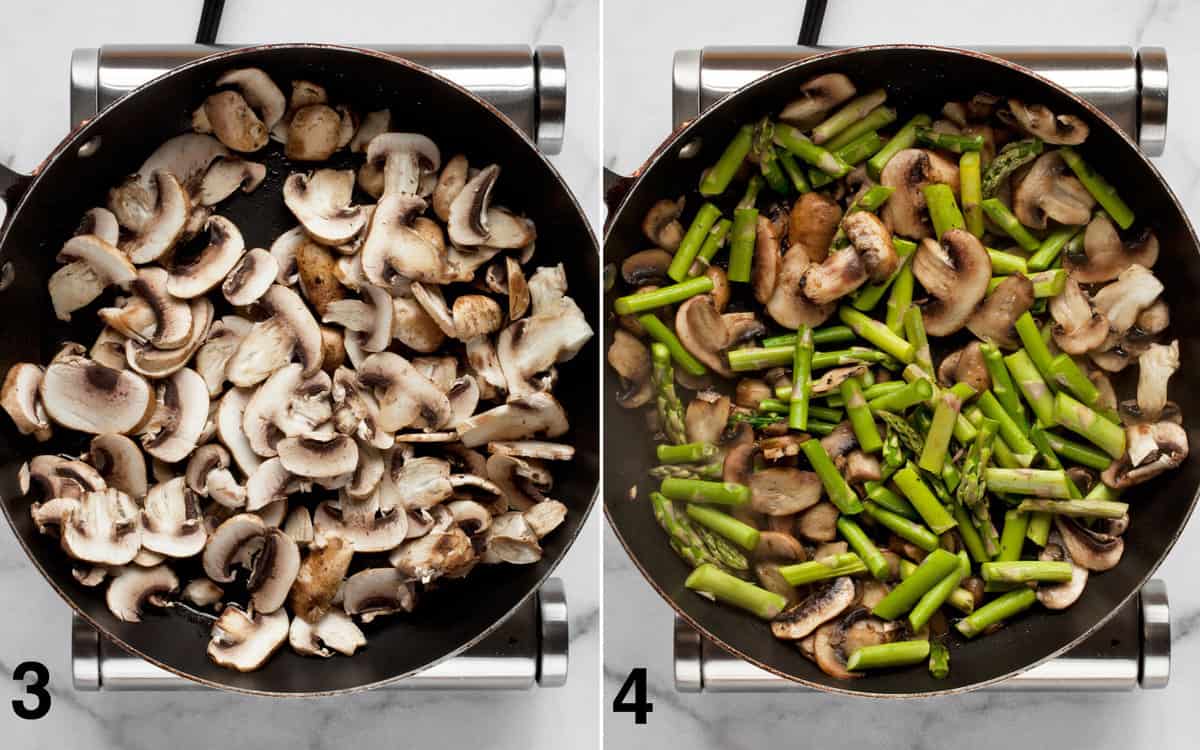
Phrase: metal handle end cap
[555,634]
[550,63]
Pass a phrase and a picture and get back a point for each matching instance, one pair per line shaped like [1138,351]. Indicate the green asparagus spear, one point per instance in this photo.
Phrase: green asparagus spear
[876,333]
[823,569]
[901,599]
[1077,508]
[1006,264]
[670,409]
[878,493]
[1078,452]
[904,138]
[801,379]
[1011,158]
[900,300]
[712,245]
[884,655]
[970,186]
[1037,482]
[821,337]
[681,471]
[939,660]
[794,172]
[696,491]
[721,174]
[853,111]
[1024,571]
[1004,218]
[1013,435]
[864,547]
[1078,418]
[877,118]
[796,142]
[858,150]
[687,453]
[952,142]
[1033,387]
[690,246]
[710,579]
[836,488]
[902,527]
[860,416]
[943,208]
[1104,193]
[937,440]
[933,599]
[1051,246]
[667,295]
[741,534]
[665,336]
[1068,375]
[722,551]
[999,609]
[918,493]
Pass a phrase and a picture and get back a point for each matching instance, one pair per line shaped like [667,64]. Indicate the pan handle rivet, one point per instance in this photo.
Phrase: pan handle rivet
[691,148]
[7,274]
[89,148]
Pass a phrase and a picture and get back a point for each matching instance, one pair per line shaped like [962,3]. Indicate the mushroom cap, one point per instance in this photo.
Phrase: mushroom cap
[1037,120]
[1107,255]
[784,491]
[994,319]
[244,641]
[468,222]
[108,262]
[171,522]
[230,429]
[406,397]
[83,395]
[818,523]
[226,175]
[817,96]
[19,397]
[707,416]
[102,528]
[702,331]
[1123,300]
[812,223]
[394,247]
[1089,549]
[134,587]
[526,416]
[374,592]
[320,201]
[1152,449]
[234,123]
[290,331]
[839,274]
[630,358]
[907,173]
[661,224]
[208,269]
[819,607]
[871,238]
[314,457]
[1048,190]
[446,553]
[450,183]
[363,523]
[250,278]
[179,417]
[554,333]
[956,273]
[1155,367]
[259,91]
[120,462]
[319,577]
[313,133]
[164,226]
[334,631]
[788,305]
[1078,326]
[648,266]
[511,539]
[404,157]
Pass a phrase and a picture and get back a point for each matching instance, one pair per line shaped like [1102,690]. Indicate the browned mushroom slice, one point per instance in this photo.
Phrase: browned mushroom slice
[134,587]
[318,578]
[994,319]
[767,259]
[839,274]
[840,441]
[750,392]
[862,467]
[1078,326]
[837,640]
[1152,449]
[707,416]
[631,360]
[1037,120]
[965,366]
[1123,300]
[956,273]
[661,224]
[702,332]
[821,606]
[817,96]
[1048,190]
[1061,595]
[873,241]
[646,267]
[779,546]
[1089,549]
[812,224]
[244,641]
[819,523]
[739,463]
[782,491]
[907,173]
[833,379]
[1106,255]
[788,306]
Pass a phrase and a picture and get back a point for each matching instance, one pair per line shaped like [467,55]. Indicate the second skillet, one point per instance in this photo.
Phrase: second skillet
[918,78]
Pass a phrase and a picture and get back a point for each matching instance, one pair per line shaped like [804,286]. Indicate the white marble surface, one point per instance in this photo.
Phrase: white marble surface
[639,40]
[35,43]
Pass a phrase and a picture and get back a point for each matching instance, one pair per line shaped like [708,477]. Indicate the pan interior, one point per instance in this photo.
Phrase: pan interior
[458,614]
[918,79]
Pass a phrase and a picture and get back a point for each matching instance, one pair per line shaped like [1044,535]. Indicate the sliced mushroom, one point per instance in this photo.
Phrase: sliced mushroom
[469,213]
[259,91]
[298,525]
[80,394]
[631,360]
[165,223]
[1048,190]
[779,546]
[554,333]
[812,223]
[450,183]
[375,592]
[135,587]
[226,175]
[476,315]
[102,528]
[250,278]
[526,416]
[965,366]
[707,416]
[819,523]
[180,414]
[202,592]
[820,607]
[406,398]
[230,414]
[837,640]
[839,274]
[1152,449]
[703,332]
[234,123]
[316,457]
[394,245]
[788,306]
[1106,255]
[873,242]
[363,523]
[1155,368]
[1123,300]
[1058,596]
[1089,549]
[1037,120]
[244,641]
[313,133]
[956,273]
[446,553]
[321,202]
[993,320]
[661,224]
[405,158]
[784,491]
[511,539]
[19,397]
[290,331]
[186,157]
[1078,326]
[334,631]
[210,268]
[817,96]
[318,578]
[907,173]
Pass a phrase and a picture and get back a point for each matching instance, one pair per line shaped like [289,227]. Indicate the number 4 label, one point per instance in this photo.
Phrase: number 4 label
[639,707]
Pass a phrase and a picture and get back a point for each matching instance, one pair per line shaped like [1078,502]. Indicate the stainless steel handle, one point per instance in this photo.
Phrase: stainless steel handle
[1127,84]
[530,648]
[1132,650]
[527,84]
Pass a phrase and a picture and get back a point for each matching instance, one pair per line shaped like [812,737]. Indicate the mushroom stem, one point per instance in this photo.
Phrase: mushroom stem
[710,579]
[998,610]
[721,174]
[1038,482]
[665,336]
[823,569]
[667,295]
[1078,418]
[689,248]
[877,333]
[1004,218]
[839,491]
[699,491]
[904,138]
[903,527]
[1104,193]
[1077,508]
[741,534]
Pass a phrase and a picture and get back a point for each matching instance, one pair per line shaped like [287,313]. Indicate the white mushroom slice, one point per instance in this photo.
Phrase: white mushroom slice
[223,488]
[172,316]
[380,332]
[1155,367]
[423,482]
[109,349]
[545,517]
[393,247]
[230,432]
[179,417]
[470,516]
[446,553]
[135,318]
[202,592]
[298,525]
[481,355]
[313,457]
[203,461]
[107,261]
[526,416]
[1049,190]
[1121,301]
[450,183]
[468,220]
[227,546]
[476,315]
[165,225]
[19,397]
[283,249]
[817,96]
[434,304]
[243,641]
[464,399]
[1078,326]
[74,287]
[373,124]
[406,398]
[333,632]
[291,331]
[250,278]
[135,587]
[259,91]
[171,523]
[405,157]
[102,223]
[356,411]
[80,394]
[1039,121]
[554,333]
[234,123]
[367,474]
[225,248]
[91,576]
[511,539]
[60,477]
[155,362]
[54,512]
[313,133]
[441,370]
[274,570]
[321,202]
[120,462]
[533,449]
[360,524]
[186,156]
[226,175]
[268,484]
[102,528]
[148,558]
[351,314]
[286,405]
[375,592]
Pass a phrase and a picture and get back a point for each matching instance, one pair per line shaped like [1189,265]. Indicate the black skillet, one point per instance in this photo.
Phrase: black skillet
[44,211]
[918,78]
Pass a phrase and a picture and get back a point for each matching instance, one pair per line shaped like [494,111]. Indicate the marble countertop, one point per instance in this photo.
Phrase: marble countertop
[639,41]
[35,44]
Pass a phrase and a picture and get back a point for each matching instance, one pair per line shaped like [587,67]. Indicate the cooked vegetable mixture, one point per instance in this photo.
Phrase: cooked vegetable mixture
[884,411]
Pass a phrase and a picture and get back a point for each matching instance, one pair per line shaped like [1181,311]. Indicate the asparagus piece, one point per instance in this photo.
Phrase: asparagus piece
[698,491]
[970,536]
[939,660]
[764,152]
[694,556]
[1011,158]
[1038,530]
[796,142]
[1035,390]
[1068,375]
[1078,452]
[1004,218]
[1013,435]
[722,551]
[744,232]
[801,379]
[953,142]
[850,113]
[680,530]
[971,189]
[877,118]
[758,421]
[774,404]
[1024,571]
[687,453]
[689,247]
[900,300]
[878,493]
[826,414]
[999,609]
[937,565]
[864,547]
[712,245]
[710,579]
[822,569]
[834,399]
[904,138]
[1038,482]
[794,172]
[1006,264]
[1104,193]
[884,655]
[933,599]
[937,440]
[780,356]
[741,534]
[1012,539]
[861,418]
[868,296]
[972,489]
[721,174]
[1046,284]
[670,409]
[1035,346]
[1003,387]
[1086,423]
[679,471]
[667,295]
[943,208]
[1077,508]
[821,337]
[835,484]
[858,150]
[910,394]
[904,432]
[914,329]
[1051,246]
[936,517]
[903,527]
[666,337]
[1103,492]
[876,333]
[821,428]
[959,598]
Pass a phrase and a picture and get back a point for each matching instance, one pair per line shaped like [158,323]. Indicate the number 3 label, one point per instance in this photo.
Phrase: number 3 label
[36,704]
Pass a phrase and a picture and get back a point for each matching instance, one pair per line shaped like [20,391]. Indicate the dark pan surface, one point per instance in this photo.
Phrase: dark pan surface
[459,614]
[918,78]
